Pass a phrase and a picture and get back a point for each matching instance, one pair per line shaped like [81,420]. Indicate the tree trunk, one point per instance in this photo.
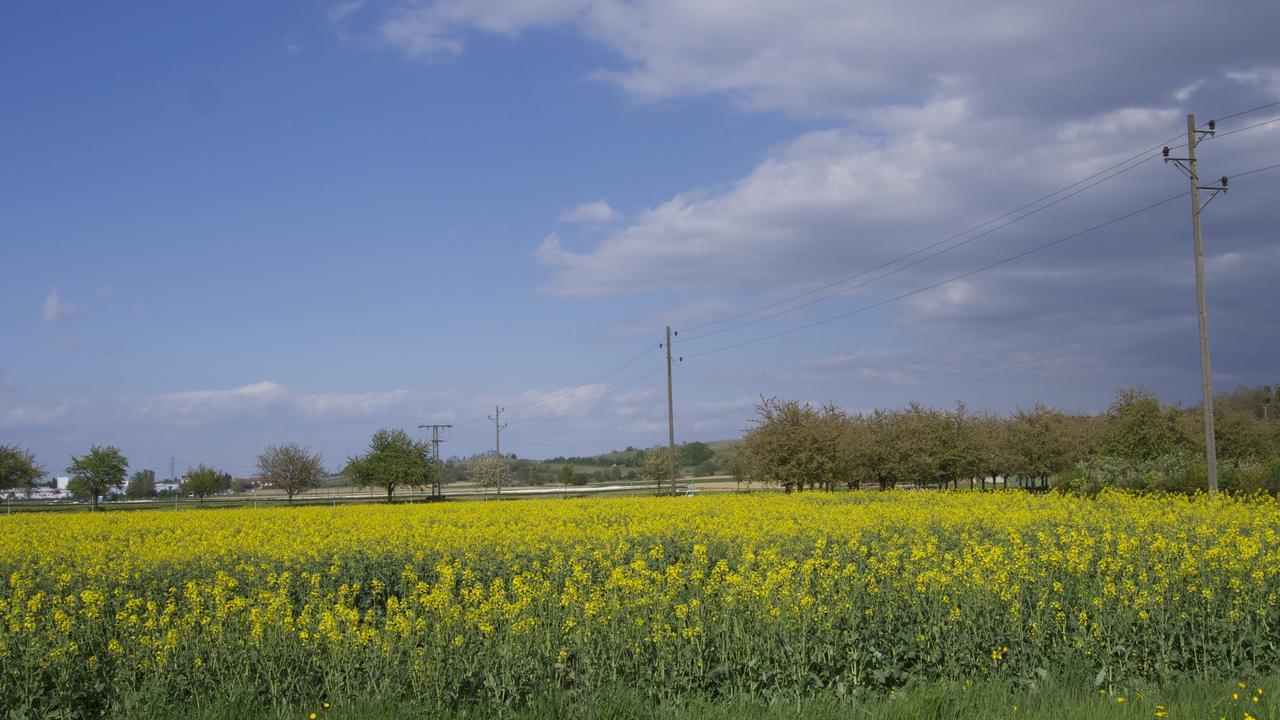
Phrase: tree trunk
[390,489]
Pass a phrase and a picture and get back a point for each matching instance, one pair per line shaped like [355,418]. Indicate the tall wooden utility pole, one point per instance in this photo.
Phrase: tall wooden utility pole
[671,416]
[498,427]
[1188,165]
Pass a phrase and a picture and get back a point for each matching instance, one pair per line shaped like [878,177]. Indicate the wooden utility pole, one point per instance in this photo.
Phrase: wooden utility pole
[498,427]
[1210,445]
[1188,165]
[671,416]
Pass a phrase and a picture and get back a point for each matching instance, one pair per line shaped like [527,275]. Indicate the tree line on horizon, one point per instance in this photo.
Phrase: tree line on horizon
[1137,443]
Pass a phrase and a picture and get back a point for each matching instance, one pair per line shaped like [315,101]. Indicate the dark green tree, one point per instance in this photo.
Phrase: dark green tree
[19,470]
[101,470]
[142,484]
[202,481]
[394,460]
[694,453]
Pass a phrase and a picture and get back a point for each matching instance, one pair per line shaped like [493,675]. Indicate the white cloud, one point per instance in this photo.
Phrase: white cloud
[33,415]
[642,426]
[1264,77]
[351,404]
[847,198]
[592,214]
[684,315]
[205,405]
[55,308]
[575,401]
[1185,92]
[832,58]
[339,12]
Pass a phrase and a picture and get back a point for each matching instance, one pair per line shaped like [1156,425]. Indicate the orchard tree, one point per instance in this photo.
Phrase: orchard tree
[1040,444]
[796,446]
[19,470]
[394,460]
[488,469]
[101,470]
[1240,436]
[1138,428]
[291,468]
[202,481]
[655,465]
[875,449]
[142,484]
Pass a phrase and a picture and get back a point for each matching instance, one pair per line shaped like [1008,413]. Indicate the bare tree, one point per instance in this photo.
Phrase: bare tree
[290,468]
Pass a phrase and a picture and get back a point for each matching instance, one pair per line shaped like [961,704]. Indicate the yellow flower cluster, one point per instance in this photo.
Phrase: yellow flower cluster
[495,601]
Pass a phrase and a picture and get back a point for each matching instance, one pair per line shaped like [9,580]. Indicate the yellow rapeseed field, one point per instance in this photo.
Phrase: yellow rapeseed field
[490,602]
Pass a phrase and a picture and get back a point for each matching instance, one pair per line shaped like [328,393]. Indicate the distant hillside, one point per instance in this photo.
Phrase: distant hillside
[630,457]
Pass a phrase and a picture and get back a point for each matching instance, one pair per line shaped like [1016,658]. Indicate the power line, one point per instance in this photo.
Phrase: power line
[1255,170]
[602,396]
[1250,110]
[567,392]
[970,273]
[622,446]
[920,261]
[1031,204]
[1247,127]
[917,291]
[948,249]
[943,241]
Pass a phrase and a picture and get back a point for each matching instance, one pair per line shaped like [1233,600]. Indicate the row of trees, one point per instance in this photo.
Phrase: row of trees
[1138,442]
[102,471]
[393,461]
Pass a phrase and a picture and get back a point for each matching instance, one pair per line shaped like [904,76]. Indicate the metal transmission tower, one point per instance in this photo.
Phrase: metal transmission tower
[1189,168]
[498,427]
[437,487]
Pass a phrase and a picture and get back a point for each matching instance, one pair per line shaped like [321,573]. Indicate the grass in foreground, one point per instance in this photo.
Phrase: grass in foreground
[1066,700]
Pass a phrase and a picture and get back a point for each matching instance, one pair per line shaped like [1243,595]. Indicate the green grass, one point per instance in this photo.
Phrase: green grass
[1067,699]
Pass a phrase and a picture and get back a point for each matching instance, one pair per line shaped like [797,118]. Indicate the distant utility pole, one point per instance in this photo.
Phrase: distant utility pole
[498,427]
[437,487]
[671,416]
[1188,166]
[173,481]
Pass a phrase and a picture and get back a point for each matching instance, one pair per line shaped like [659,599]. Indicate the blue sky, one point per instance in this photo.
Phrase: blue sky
[235,226]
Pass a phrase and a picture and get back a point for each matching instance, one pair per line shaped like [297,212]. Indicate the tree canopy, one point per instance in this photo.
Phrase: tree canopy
[142,484]
[291,468]
[98,472]
[394,460]
[19,469]
[203,481]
